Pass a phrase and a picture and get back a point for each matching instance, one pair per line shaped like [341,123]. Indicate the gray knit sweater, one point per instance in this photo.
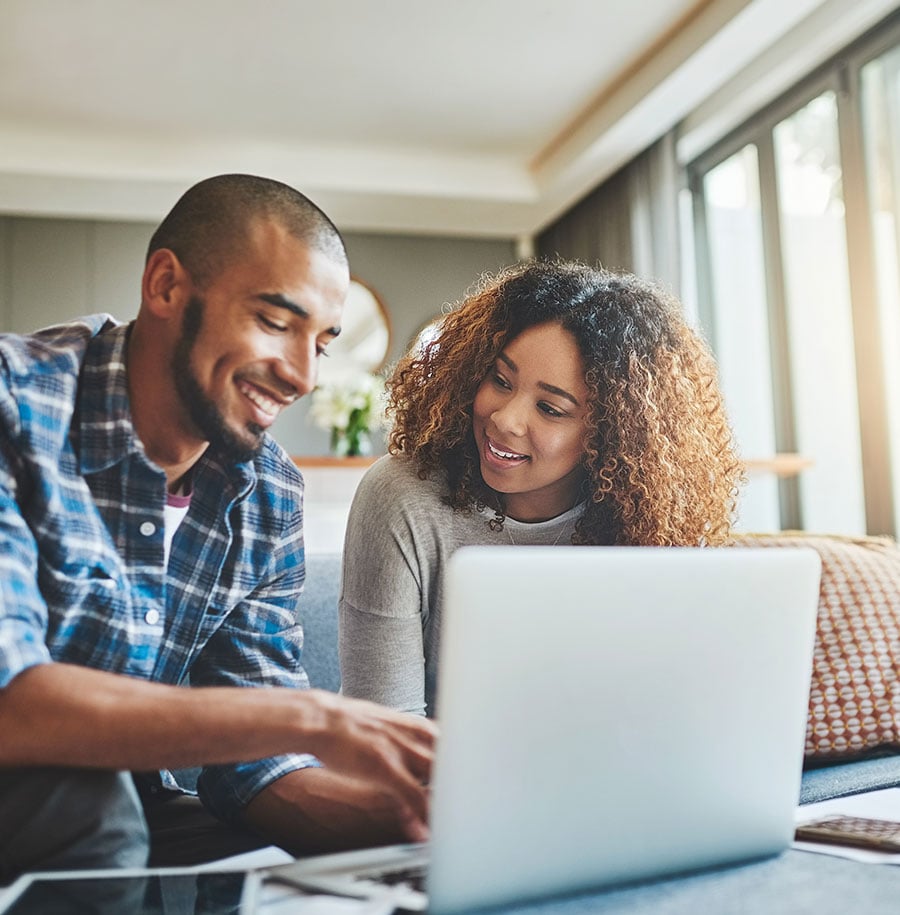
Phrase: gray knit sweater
[399,537]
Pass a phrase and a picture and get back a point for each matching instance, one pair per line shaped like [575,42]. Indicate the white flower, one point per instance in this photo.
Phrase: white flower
[358,399]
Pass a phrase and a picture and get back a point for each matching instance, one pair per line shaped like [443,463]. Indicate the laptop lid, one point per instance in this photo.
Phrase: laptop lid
[613,713]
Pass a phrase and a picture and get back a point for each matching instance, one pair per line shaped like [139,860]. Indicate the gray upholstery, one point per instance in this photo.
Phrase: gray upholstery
[793,883]
[844,779]
[317,611]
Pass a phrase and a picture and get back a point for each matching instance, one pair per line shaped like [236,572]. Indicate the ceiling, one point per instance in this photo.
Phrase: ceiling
[474,117]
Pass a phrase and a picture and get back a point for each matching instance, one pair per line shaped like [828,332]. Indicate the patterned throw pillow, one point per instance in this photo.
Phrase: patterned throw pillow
[854,703]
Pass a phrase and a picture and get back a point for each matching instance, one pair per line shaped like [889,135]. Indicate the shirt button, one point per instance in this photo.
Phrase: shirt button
[152,616]
[148,528]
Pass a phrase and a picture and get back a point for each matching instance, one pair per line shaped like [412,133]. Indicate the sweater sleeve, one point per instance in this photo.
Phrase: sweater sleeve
[383,602]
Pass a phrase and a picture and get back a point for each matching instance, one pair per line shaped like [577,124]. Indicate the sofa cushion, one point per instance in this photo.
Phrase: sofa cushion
[317,610]
[854,703]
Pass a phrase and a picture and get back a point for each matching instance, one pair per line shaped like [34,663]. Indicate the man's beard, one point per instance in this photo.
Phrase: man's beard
[203,410]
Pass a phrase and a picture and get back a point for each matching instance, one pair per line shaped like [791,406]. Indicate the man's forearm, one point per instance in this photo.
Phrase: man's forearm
[315,811]
[53,714]
[59,714]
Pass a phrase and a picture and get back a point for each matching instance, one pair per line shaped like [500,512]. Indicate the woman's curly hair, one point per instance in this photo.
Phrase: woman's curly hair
[658,453]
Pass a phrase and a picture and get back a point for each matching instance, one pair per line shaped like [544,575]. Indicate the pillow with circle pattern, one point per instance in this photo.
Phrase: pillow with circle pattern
[854,702]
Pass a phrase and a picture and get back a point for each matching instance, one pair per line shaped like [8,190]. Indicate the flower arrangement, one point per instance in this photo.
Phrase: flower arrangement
[349,408]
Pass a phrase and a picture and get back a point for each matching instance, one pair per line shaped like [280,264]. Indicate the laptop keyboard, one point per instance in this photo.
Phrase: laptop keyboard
[411,877]
[398,874]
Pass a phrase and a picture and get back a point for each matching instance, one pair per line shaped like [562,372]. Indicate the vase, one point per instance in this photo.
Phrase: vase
[351,442]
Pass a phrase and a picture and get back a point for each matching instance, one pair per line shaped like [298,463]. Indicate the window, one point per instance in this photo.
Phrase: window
[739,326]
[820,332]
[797,240]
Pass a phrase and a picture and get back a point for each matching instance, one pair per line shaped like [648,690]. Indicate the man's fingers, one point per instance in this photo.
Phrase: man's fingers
[414,738]
[419,746]
[407,784]
[418,759]
[415,829]
[394,749]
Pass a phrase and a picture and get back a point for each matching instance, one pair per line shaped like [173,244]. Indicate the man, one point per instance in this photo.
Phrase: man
[151,533]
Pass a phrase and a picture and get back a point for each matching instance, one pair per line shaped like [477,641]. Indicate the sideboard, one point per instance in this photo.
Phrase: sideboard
[330,484]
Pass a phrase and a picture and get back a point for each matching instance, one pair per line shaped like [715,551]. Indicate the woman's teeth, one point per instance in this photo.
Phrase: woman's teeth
[506,455]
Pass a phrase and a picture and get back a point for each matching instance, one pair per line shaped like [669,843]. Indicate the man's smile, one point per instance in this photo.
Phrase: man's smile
[268,404]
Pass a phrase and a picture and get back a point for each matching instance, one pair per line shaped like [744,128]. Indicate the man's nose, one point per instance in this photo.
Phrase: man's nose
[299,367]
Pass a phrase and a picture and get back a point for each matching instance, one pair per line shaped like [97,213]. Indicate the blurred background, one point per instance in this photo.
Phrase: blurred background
[744,153]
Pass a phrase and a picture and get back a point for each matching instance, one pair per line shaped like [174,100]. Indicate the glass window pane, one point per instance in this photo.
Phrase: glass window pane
[819,320]
[741,337]
[881,138]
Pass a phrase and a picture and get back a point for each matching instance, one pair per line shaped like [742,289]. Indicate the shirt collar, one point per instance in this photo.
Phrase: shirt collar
[104,426]
[104,423]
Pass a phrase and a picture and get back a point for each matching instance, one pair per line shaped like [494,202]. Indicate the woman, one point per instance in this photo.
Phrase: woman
[558,404]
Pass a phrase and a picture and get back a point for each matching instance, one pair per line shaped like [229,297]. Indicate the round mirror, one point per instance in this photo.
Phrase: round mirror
[365,337]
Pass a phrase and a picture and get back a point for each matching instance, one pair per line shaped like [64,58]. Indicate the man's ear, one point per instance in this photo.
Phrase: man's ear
[166,285]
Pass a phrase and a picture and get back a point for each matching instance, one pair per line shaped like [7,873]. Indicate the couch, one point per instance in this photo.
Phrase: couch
[795,881]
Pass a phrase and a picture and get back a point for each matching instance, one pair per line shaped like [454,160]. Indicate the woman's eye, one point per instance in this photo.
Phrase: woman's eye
[272,325]
[500,381]
[550,411]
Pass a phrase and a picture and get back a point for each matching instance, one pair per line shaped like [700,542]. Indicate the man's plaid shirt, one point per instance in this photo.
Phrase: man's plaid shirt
[82,574]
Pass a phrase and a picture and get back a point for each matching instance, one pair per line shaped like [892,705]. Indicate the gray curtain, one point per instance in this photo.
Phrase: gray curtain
[630,222]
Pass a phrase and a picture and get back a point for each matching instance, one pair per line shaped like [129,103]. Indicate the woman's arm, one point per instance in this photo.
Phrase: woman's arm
[382,659]
[380,621]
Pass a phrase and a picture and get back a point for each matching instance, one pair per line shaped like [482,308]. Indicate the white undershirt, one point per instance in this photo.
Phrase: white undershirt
[177,505]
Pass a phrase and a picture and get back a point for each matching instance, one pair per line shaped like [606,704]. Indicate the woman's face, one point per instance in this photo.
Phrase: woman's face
[529,422]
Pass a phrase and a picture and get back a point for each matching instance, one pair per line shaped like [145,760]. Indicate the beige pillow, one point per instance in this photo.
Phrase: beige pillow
[854,702]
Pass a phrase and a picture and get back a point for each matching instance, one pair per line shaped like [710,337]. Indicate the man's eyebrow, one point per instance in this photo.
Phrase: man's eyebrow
[280,301]
[549,388]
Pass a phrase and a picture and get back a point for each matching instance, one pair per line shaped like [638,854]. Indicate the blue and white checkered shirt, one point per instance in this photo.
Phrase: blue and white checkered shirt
[83,574]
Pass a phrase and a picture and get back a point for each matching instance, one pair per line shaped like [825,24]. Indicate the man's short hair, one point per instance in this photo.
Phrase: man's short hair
[210,222]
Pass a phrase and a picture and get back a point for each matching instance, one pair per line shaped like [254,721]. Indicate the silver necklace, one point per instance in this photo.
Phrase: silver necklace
[512,539]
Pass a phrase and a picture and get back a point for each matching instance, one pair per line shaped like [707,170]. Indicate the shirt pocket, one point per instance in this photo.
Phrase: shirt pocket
[75,572]
[83,589]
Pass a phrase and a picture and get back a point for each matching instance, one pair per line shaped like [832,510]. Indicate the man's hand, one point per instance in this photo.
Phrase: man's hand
[316,811]
[378,747]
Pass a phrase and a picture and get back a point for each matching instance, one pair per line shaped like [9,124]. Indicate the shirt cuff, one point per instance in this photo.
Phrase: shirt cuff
[226,790]
[20,648]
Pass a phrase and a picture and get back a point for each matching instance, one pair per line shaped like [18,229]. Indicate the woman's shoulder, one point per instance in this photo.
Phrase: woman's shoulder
[394,479]
[392,497]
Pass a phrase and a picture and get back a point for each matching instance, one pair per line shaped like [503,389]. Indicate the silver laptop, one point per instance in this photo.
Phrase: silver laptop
[607,714]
